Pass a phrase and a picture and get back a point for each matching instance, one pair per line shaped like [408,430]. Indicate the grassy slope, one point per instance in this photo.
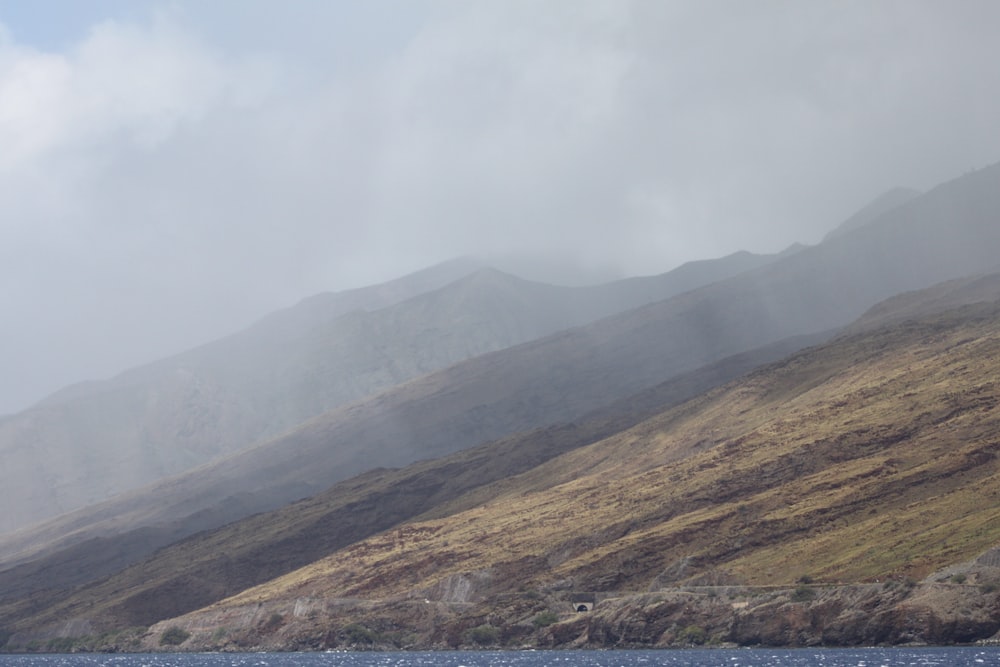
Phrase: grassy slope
[214,564]
[872,457]
[946,233]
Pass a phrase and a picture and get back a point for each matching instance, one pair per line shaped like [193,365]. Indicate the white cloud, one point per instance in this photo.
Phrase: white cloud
[168,179]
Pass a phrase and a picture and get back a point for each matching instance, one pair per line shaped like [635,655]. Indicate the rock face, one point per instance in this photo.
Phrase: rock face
[891,613]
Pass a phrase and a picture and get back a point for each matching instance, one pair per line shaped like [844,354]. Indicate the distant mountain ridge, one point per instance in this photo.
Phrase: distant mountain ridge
[92,441]
[785,453]
[944,234]
[729,488]
[295,535]
[882,204]
[806,470]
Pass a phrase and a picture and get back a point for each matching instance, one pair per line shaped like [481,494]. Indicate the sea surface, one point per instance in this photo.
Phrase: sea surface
[869,657]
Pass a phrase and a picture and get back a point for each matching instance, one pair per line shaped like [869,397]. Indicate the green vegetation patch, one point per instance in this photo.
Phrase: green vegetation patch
[174,636]
[544,619]
[484,635]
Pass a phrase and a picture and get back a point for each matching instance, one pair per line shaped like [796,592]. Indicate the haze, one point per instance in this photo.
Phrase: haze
[171,171]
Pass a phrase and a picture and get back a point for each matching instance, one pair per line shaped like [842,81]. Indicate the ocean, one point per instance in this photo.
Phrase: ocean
[867,657]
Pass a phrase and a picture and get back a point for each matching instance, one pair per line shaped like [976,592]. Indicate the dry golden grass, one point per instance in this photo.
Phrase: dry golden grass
[872,457]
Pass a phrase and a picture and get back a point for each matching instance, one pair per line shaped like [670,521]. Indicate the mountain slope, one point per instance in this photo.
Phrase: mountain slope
[739,420]
[938,236]
[880,205]
[95,440]
[212,565]
[944,234]
[870,458]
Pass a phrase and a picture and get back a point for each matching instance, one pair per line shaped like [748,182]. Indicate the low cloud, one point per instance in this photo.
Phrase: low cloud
[167,178]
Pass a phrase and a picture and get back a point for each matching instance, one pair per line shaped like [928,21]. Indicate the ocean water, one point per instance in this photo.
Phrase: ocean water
[870,657]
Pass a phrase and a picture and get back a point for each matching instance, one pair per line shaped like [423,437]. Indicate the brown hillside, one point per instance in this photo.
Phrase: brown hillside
[212,565]
[98,439]
[946,233]
[871,458]
[261,383]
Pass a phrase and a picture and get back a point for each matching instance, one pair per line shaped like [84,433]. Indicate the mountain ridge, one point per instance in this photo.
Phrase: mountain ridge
[369,500]
[885,202]
[555,379]
[177,413]
[904,372]
[977,301]
[664,507]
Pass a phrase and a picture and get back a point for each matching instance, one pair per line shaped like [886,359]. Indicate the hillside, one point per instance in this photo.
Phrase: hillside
[558,379]
[880,205]
[92,441]
[863,459]
[211,565]
[943,234]
[870,459]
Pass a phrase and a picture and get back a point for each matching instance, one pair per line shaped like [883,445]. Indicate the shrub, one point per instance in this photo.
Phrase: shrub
[61,644]
[484,635]
[174,636]
[359,634]
[958,579]
[544,618]
[692,634]
[274,622]
[803,593]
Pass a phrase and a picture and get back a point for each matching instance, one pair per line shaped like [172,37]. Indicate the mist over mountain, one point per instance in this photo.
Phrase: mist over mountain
[866,460]
[946,233]
[883,203]
[72,573]
[766,463]
[423,324]
[363,383]
[92,441]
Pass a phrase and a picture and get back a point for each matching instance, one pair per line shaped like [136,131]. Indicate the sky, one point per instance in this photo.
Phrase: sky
[172,170]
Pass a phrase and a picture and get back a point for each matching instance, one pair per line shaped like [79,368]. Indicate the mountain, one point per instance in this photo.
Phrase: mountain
[844,495]
[946,233]
[92,441]
[761,511]
[213,564]
[885,202]
[563,376]
[942,235]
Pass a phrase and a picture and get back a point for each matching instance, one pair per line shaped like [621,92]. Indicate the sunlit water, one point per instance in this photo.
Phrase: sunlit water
[946,657]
